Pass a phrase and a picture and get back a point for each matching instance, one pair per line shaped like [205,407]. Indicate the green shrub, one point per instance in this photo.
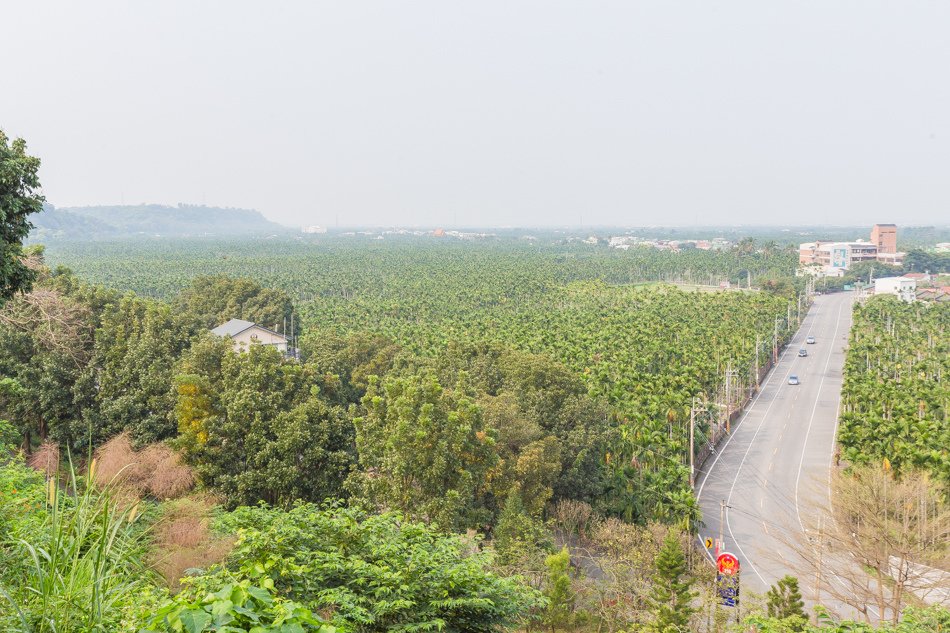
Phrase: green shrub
[376,572]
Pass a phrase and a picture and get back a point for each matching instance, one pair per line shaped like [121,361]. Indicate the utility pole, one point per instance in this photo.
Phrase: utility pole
[775,341]
[722,522]
[729,397]
[758,343]
[692,427]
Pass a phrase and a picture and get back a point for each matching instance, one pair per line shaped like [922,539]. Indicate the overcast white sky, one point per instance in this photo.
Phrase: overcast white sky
[489,113]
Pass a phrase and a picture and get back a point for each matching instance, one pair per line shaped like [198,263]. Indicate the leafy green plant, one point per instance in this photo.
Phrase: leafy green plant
[235,607]
[375,572]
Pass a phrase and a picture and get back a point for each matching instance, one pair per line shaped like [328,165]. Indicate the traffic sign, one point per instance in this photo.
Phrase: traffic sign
[727,564]
[709,543]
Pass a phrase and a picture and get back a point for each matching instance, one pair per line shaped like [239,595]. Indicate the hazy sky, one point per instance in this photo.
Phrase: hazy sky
[489,113]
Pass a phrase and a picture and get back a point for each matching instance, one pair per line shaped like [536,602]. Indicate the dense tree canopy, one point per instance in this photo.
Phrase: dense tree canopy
[257,428]
[215,299]
[423,450]
[896,395]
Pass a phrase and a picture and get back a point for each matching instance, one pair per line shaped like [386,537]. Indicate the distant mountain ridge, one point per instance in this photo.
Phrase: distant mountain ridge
[148,220]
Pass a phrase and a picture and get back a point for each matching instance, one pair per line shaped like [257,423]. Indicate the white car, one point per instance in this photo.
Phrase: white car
[810,340]
[793,380]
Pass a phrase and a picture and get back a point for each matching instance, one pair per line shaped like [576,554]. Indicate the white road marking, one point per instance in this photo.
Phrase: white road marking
[762,388]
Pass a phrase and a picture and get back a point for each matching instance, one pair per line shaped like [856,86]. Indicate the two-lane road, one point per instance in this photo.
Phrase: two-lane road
[776,464]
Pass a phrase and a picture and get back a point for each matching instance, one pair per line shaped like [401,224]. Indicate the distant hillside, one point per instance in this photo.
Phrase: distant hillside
[148,220]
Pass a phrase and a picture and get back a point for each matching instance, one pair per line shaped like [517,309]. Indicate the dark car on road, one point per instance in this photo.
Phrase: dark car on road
[803,352]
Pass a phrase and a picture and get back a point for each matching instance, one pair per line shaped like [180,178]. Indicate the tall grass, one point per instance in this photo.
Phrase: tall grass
[83,565]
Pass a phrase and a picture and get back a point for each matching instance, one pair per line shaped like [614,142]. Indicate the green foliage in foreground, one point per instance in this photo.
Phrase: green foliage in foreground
[560,610]
[375,572]
[235,607]
[70,560]
[672,595]
[784,599]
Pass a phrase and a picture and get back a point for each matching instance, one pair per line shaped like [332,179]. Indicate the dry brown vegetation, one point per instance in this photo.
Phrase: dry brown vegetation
[885,544]
[155,471]
[45,459]
[182,539]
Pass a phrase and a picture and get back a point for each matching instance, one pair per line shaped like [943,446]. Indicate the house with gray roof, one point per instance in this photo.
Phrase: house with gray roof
[243,334]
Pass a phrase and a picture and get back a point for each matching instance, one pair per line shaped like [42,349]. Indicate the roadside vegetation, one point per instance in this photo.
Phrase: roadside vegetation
[896,390]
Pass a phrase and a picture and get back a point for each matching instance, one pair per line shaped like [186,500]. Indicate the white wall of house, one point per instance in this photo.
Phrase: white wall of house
[257,334]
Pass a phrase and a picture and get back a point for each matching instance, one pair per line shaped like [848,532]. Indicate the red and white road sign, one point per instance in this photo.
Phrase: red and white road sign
[727,564]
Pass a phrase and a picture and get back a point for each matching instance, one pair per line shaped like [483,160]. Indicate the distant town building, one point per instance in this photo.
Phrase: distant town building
[904,288]
[884,236]
[830,258]
[836,254]
[626,241]
[438,233]
[243,334]
[314,229]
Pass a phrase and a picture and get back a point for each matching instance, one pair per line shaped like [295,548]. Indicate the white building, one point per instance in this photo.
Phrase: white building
[314,229]
[243,334]
[904,288]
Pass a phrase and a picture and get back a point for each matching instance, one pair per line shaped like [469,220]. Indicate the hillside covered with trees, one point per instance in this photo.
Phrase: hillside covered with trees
[148,221]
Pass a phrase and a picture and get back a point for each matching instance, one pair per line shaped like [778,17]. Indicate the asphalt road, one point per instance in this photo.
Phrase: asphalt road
[773,471]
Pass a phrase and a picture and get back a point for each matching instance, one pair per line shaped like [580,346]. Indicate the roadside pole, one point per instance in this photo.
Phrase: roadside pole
[722,521]
[758,344]
[692,427]
[729,397]
[775,341]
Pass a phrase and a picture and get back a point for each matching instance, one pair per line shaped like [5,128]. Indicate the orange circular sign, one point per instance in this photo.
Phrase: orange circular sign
[727,564]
